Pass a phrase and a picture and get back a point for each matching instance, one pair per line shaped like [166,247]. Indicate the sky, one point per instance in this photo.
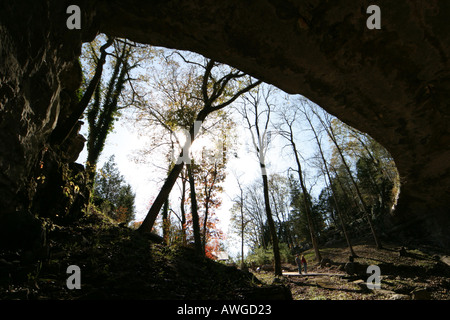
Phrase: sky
[124,142]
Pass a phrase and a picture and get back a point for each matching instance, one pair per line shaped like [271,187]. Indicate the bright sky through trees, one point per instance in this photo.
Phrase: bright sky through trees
[125,141]
[147,176]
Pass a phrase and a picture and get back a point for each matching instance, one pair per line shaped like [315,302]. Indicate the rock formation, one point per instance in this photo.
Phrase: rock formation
[39,77]
[392,83]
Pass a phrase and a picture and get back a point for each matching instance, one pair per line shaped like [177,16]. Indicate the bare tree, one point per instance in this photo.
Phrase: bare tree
[303,102]
[327,125]
[287,131]
[279,191]
[258,120]
[239,216]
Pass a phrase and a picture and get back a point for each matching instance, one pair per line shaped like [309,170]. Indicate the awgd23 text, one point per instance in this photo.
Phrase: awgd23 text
[226,309]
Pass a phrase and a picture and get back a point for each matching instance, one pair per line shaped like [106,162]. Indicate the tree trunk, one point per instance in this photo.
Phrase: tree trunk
[64,128]
[273,232]
[341,219]
[195,219]
[242,231]
[205,224]
[149,221]
[165,221]
[358,192]
[312,230]
[305,196]
[329,129]
[327,172]
[182,209]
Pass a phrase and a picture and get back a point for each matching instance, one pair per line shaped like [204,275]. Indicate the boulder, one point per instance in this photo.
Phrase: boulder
[267,267]
[399,296]
[421,294]
[325,262]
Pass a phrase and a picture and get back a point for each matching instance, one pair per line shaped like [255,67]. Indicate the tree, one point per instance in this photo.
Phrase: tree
[206,174]
[112,194]
[125,209]
[216,92]
[204,185]
[328,175]
[178,88]
[165,111]
[376,171]
[101,114]
[238,218]
[182,205]
[210,176]
[279,195]
[66,126]
[194,212]
[258,124]
[327,125]
[254,208]
[289,119]
[113,95]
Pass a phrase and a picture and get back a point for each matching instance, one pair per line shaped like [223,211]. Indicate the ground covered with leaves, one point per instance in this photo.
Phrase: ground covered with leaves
[119,263]
[419,274]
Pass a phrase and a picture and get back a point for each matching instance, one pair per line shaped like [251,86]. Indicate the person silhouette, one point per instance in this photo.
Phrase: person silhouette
[304,263]
[299,263]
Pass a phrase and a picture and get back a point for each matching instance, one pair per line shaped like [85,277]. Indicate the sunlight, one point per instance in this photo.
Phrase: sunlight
[204,148]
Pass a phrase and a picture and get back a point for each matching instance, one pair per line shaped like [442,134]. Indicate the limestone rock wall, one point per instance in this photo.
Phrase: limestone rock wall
[39,75]
[392,83]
